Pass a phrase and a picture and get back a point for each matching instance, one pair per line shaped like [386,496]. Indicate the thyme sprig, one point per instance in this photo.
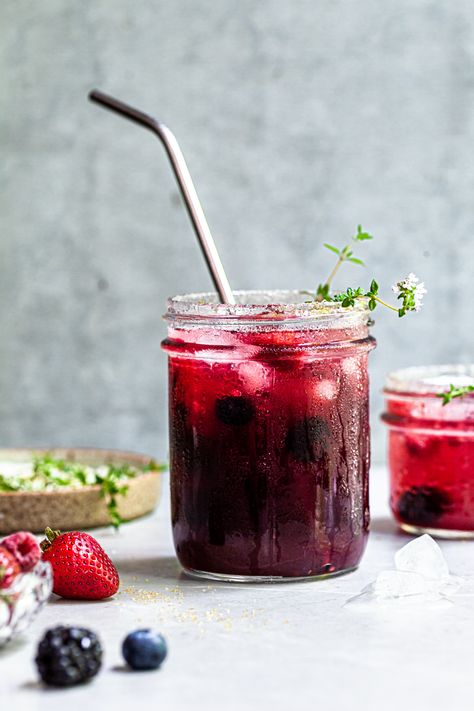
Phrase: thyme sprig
[410,291]
[454,391]
[343,255]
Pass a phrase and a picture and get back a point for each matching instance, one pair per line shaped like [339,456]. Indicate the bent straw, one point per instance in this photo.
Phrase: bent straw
[186,186]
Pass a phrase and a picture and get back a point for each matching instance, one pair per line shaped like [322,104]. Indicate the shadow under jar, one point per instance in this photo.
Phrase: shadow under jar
[431,451]
[269,435]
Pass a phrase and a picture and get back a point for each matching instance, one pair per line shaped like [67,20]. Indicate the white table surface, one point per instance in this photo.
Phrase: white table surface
[279,646]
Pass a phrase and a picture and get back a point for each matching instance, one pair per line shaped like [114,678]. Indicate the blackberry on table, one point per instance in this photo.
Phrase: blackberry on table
[68,656]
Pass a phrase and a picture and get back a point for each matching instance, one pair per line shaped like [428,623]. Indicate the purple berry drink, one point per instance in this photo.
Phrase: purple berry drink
[269,435]
[431,451]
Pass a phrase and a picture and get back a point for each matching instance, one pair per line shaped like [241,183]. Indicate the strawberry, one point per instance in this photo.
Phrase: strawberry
[24,546]
[9,568]
[81,567]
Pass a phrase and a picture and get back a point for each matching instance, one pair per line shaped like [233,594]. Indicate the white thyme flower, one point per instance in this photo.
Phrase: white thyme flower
[406,284]
[411,280]
[418,295]
[412,291]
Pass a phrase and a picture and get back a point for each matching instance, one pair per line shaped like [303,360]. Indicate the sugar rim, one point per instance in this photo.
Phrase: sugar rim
[265,305]
[430,379]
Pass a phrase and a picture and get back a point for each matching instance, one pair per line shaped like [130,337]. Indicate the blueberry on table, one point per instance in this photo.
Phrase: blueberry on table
[234,410]
[307,439]
[422,505]
[144,649]
[67,656]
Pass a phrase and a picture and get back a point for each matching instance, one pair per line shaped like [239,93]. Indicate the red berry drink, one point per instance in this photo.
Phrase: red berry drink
[431,451]
[269,435]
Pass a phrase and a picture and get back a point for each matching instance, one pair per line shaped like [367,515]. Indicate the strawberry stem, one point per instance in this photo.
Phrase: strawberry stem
[50,537]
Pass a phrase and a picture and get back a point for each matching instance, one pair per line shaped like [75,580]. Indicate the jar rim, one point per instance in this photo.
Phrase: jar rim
[429,379]
[267,306]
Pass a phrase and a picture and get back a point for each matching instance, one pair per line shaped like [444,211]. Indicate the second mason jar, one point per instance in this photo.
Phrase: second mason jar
[269,435]
[431,450]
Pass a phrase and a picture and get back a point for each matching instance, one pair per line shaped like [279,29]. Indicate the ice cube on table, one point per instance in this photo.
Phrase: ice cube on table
[398,583]
[449,585]
[370,601]
[424,556]
[421,578]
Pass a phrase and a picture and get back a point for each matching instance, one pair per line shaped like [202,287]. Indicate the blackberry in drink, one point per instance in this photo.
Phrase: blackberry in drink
[269,435]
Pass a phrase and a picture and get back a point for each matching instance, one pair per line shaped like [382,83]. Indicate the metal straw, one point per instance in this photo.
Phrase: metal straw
[186,186]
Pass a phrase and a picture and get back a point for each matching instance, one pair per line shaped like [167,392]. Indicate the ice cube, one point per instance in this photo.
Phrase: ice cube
[23,607]
[421,578]
[422,555]
[450,585]
[350,366]
[326,389]
[368,600]
[253,376]
[398,583]
[25,583]
[4,613]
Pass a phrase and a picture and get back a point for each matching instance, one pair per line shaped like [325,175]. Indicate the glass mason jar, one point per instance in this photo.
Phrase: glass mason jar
[431,450]
[269,435]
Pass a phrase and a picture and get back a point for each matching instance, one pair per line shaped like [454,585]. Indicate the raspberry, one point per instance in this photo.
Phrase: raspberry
[24,547]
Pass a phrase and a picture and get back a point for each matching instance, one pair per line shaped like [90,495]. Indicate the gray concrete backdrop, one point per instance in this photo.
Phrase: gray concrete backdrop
[299,119]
